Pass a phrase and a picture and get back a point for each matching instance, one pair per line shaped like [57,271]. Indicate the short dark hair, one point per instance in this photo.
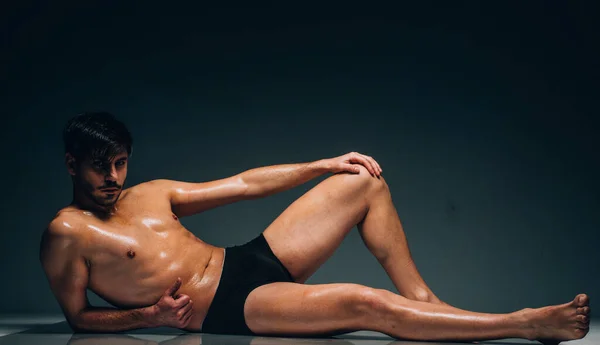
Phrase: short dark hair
[98,135]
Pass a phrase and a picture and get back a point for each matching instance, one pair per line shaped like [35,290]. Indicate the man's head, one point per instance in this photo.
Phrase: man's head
[97,147]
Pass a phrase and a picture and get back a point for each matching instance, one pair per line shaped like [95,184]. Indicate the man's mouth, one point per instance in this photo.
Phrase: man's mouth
[109,190]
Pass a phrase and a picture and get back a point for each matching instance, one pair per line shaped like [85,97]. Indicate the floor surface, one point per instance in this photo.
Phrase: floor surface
[53,330]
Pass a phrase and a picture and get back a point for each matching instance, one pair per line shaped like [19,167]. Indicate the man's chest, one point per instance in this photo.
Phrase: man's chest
[132,235]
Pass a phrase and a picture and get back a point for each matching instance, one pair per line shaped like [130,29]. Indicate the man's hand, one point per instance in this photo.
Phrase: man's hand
[172,310]
[349,161]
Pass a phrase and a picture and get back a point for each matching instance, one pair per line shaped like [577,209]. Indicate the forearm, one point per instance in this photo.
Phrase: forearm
[273,179]
[99,319]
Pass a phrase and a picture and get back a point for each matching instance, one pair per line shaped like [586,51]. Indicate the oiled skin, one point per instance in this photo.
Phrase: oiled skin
[137,249]
[137,252]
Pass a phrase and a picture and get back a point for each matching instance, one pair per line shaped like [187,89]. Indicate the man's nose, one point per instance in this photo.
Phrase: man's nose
[111,174]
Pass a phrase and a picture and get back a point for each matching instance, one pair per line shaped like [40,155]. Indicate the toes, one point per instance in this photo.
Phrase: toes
[583,310]
[582,318]
[580,333]
[581,300]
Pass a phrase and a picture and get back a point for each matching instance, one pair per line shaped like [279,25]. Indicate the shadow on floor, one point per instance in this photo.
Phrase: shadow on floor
[61,333]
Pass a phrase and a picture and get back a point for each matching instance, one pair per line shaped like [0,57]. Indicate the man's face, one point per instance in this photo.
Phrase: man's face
[101,180]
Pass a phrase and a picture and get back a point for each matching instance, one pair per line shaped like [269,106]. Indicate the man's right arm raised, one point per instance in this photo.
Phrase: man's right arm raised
[68,275]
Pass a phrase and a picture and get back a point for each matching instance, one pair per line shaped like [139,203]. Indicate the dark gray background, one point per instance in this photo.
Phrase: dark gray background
[482,117]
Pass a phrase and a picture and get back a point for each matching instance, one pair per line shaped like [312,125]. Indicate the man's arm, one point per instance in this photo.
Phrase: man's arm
[67,273]
[269,180]
[188,198]
[111,320]
[265,181]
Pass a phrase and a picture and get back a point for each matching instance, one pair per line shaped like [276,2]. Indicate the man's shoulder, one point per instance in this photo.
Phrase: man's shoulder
[66,221]
[151,187]
[61,232]
[146,193]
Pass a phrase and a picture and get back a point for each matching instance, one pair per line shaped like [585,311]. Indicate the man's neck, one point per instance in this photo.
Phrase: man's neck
[84,203]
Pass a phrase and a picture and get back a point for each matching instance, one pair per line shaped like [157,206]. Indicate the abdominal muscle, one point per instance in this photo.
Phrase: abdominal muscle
[140,281]
[203,292]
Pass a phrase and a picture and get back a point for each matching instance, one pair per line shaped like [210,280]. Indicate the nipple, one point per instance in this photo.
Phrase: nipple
[131,254]
[175,217]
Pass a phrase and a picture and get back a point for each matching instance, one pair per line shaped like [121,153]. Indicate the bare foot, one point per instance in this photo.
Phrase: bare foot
[562,322]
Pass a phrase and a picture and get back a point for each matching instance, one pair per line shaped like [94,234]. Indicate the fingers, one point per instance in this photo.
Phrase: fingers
[171,290]
[364,161]
[187,317]
[183,300]
[369,163]
[352,168]
[376,166]
[185,313]
[182,311]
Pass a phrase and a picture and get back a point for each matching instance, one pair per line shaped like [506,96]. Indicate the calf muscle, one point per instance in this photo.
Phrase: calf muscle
[300,309]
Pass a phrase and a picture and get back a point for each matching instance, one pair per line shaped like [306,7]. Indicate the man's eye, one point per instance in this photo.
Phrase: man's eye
[120,163]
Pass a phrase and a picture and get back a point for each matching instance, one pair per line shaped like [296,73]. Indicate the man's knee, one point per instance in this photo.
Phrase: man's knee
[367,302]
[375,183]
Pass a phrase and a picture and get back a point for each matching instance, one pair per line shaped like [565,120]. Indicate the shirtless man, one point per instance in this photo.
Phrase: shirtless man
[129,247]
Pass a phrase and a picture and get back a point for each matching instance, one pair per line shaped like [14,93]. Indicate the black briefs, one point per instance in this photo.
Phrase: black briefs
[245,268]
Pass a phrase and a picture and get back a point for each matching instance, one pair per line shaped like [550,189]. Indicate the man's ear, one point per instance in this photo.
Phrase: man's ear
[70,162]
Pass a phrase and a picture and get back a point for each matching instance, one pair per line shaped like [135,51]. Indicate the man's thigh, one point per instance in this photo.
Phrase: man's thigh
[308,231]
[298,309]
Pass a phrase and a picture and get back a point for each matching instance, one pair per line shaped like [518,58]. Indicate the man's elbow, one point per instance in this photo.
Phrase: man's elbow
[247,191]
[250,194]
[76,322]
[81,328]
[77,329]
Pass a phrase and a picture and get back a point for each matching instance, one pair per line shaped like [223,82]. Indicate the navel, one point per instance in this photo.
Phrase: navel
[130,254]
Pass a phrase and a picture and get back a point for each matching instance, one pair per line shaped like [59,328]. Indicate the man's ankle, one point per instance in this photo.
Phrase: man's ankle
[527,322]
